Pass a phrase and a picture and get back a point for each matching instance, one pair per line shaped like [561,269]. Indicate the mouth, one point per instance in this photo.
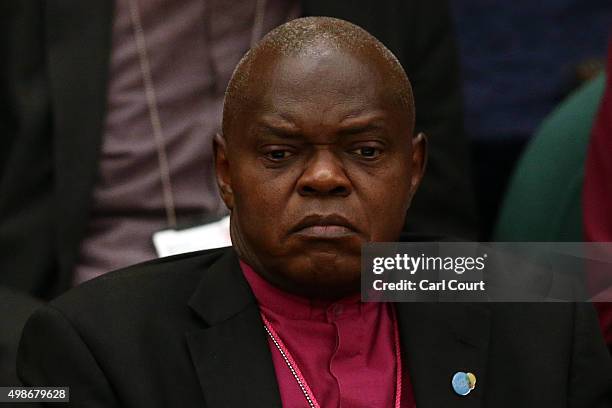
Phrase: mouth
[324,227]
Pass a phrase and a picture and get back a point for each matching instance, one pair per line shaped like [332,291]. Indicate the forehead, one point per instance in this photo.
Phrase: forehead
[321,78]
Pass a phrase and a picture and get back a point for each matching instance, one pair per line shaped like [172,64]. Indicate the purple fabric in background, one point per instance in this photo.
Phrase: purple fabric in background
[519,58]
[193,47]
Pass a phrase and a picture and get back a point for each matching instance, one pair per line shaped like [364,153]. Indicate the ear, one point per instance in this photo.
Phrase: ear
[419,161]
[222,170]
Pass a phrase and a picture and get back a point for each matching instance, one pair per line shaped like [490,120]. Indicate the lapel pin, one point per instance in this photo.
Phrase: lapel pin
[463,383]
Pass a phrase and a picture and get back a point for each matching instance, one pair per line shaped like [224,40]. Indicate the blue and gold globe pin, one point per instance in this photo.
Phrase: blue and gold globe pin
[463,383]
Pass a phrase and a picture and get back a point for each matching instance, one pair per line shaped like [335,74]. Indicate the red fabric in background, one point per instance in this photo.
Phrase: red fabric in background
[597,193]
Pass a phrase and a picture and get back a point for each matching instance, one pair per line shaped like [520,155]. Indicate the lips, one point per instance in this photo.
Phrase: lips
[324,226]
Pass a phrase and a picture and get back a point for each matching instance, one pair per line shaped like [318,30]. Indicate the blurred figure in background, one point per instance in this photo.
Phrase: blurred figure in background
[519,60]
[111,108]
[597,193]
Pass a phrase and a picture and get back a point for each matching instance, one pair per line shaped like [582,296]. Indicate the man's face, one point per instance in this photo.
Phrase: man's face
[321,162]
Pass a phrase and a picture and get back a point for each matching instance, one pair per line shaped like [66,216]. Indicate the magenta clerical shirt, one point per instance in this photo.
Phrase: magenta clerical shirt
[345,349]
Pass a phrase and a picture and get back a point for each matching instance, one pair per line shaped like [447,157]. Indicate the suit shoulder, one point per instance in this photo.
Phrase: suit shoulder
[140,284]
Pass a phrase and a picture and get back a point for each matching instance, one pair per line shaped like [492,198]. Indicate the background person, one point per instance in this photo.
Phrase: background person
[519,60]
[597,190]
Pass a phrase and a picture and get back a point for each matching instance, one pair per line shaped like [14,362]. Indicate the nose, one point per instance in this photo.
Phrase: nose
[324,176]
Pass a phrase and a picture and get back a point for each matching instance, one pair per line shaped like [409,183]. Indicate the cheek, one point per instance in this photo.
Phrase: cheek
[260,198]
[385,199]
[270,186]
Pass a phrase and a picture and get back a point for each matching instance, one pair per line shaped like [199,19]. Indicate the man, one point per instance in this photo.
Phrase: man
[111,107]
[318,156]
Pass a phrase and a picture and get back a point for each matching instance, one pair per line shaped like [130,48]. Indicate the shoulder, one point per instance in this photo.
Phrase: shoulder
[158,286]
[115,325]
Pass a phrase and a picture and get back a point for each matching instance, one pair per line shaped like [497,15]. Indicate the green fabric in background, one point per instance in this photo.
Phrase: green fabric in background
[544,197]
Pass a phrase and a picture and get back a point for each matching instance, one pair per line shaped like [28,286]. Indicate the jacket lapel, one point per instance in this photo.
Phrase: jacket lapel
[77,38]
[231,356]
[438,340]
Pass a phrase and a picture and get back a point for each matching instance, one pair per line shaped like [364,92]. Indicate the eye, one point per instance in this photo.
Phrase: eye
[368,152]
[277,154]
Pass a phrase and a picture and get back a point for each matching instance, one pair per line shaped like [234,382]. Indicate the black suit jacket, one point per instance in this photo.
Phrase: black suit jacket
[15,309]
[186,332]
[53,83]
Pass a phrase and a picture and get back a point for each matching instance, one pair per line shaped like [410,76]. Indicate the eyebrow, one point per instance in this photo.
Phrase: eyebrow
[284,127]
[278,124]
[357,129]
[284,132]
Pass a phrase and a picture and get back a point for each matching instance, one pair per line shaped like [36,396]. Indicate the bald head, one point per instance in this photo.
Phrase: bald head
[313,37]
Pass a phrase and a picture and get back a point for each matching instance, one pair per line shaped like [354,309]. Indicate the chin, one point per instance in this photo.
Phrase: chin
[341,247]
